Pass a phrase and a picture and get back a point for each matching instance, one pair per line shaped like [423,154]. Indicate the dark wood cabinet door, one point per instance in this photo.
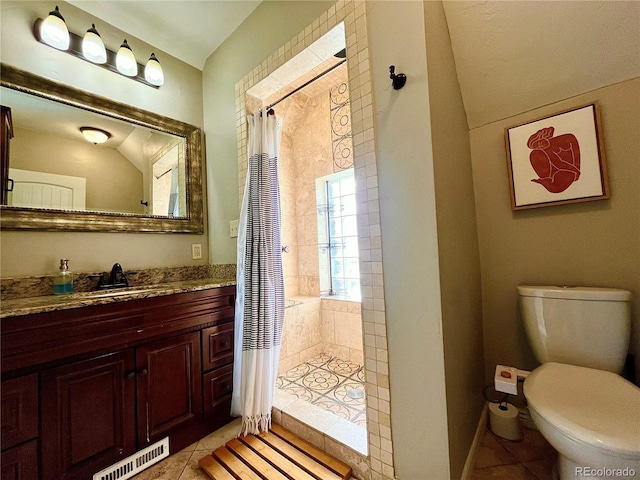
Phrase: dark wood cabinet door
[88,416]
[169,386]
[20,463]
[19,410]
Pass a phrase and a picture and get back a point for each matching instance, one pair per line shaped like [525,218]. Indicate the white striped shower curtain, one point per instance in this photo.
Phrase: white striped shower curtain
[259,281]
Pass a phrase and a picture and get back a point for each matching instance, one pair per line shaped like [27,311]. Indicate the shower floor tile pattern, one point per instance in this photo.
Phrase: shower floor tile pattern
[330,383]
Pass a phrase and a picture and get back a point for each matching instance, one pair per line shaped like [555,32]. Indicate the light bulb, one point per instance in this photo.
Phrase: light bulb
[54,32]
[92,46]
[153,71]
[125,61]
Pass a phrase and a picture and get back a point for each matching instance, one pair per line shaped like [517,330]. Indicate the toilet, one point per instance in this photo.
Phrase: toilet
[577,399]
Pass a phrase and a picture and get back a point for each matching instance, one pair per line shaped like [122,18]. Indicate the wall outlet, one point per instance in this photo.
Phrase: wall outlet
[196,251]
[233,228]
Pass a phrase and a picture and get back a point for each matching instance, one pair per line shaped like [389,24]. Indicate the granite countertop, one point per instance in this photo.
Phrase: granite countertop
[50,303]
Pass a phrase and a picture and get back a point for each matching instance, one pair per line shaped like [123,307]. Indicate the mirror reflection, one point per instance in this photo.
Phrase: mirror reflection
[56,163]
[122,169]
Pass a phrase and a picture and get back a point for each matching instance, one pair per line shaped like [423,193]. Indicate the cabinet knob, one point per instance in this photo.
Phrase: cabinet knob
[131,375]
[143,372]
[120,451]
[224,344]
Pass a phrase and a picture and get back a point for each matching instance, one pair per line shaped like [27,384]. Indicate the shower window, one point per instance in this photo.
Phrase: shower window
[338,236]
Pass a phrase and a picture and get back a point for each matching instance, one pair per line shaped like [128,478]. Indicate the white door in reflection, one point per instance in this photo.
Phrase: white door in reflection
[46,190]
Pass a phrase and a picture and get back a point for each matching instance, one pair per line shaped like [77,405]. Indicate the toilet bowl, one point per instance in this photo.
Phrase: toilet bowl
[591,417]
[576,398]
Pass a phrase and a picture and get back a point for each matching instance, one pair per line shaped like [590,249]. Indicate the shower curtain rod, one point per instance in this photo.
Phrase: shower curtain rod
[270,107]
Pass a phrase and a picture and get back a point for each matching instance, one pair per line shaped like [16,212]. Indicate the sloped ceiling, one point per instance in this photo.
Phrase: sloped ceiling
[189,29]
[513,56]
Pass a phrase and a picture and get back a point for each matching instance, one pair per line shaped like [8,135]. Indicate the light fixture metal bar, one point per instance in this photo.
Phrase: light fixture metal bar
[75,49]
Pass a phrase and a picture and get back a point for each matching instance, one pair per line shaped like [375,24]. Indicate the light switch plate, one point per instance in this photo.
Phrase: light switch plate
[233,228]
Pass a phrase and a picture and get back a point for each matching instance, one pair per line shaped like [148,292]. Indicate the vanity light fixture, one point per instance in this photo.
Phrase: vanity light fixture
[92,46]
[95,135]
[153,71]
[54,31]
[126,61]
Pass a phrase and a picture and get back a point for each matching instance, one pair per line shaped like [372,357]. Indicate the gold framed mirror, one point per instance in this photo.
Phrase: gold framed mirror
[167,160]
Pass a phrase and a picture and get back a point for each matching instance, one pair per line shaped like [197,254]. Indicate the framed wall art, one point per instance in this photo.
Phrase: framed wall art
[557,160]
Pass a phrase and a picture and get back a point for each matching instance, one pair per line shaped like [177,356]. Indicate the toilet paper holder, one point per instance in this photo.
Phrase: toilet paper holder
[503,416]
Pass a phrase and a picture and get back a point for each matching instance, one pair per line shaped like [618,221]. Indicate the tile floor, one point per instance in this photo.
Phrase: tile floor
[184,464]
[499,459]
[330,383]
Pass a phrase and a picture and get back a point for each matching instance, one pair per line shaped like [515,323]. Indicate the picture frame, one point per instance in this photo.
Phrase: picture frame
[557,160]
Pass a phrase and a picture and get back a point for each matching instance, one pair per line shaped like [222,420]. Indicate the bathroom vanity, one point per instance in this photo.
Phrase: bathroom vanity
[88,381]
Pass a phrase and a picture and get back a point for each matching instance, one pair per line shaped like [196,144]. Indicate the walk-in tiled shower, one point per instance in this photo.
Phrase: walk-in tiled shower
[320,239]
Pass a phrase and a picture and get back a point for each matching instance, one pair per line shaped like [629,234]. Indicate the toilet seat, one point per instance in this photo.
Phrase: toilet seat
[591,406]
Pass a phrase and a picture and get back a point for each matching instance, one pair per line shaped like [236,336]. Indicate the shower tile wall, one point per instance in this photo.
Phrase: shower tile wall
[290,110]
[302,333]
[314,326]
[342,330]
[333,327]
[305,155]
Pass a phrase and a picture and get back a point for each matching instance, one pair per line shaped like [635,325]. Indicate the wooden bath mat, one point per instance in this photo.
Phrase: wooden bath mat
[277,455]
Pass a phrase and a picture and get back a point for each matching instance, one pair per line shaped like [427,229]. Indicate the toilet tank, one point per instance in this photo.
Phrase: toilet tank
[583,326]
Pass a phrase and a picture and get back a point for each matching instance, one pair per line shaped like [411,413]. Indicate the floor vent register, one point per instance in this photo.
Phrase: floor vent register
[135,463]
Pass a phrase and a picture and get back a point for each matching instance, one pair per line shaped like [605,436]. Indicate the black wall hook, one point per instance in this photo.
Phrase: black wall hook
[398,80]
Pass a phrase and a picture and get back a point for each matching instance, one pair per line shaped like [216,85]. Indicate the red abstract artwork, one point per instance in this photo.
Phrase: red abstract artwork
[556,160]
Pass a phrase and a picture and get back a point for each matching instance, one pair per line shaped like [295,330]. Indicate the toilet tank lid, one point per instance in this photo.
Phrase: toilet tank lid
[575,293]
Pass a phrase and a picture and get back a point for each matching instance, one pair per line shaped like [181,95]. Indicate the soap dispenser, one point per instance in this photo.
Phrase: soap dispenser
[63,281]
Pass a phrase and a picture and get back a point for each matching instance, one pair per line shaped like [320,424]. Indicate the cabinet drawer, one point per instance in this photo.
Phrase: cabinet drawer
[217,346]
[20,463]
[218,385]
[19,410]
